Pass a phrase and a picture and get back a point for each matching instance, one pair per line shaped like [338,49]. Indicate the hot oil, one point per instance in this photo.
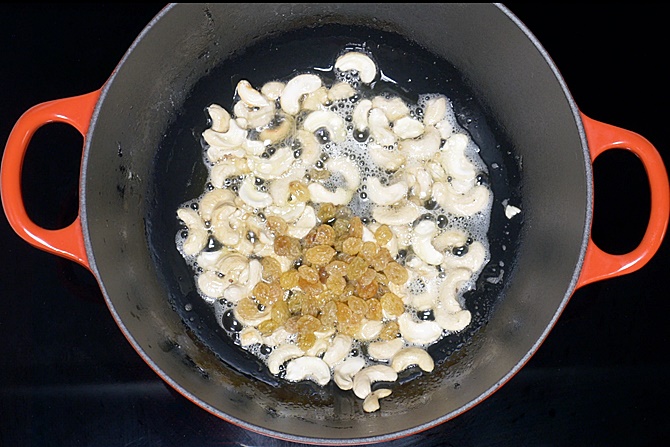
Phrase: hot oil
[407,71]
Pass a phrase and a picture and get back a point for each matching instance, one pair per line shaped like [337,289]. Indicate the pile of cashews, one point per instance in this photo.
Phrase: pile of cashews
[275,137]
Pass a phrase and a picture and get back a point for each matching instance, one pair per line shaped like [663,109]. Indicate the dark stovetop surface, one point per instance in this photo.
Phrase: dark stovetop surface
[69,378]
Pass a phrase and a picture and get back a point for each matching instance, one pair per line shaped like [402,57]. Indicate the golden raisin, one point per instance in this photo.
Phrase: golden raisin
[328,315]
[276,225]
[280,312]
[383,235]
[396,273]
[392,305]
[336,284]
[358,307]
[306,340]
[308,323]
[367,291]
[337,268]
[369,250]
[308,274]
[291,324]
[341,227]
[367,277]
[324,235]
[289,279]
[299,191]
[374,309]
[271,269]
[319,254]
[326,212]
[356,227]
[344,313]
[389,331]
[352,245]
[381,260]
[295,301]
[267,327]
[287,246]
[311,289]
[247,308]
[356,268]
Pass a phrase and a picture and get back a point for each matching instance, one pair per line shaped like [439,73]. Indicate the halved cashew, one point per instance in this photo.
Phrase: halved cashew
[445,128]
[424,147]
[275,166]
[402,214]
[369,330]
[344,372]
[360,114]
[338,350]
[360,62]
[467,204]
[197,233]
[220,118]
[393,108]
[407,127]
[279,188]
[435,110]
[371,402]
[282,354]
[211,284]
[422,242]
[251,96]
[364,379]
[250,336]
[348,169]
[315,100]
[412,356]
[272,90]
[302,226]
[422,333]
[295,89]
[341,90]
[385,350]
[308,368]
[319,193]
[273,135]
[225,143]
[252,196]
[386,195]
[456,164]
[390,160]
[380,128]
[213,199]
[228,166]
[472,260]
[331,121]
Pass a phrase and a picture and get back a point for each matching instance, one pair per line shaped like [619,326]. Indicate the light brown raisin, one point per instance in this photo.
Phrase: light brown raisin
[308,274]
[276,225]
[319,254]
[356,227]
[352,245]
[356,268]
[396,273]
[383,235]
[392,305]
[271,269]
[369,250]
[389,331]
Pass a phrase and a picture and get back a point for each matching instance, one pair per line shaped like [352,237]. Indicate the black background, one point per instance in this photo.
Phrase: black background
[69,378]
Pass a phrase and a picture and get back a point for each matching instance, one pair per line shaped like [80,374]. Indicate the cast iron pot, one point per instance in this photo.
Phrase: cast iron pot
[142,158]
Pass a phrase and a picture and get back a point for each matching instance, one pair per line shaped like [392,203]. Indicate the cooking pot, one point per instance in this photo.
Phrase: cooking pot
[142,159]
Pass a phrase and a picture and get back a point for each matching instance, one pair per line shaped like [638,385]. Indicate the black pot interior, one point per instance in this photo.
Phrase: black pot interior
[144,158]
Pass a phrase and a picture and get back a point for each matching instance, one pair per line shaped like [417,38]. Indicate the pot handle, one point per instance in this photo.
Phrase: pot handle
[599,265]
[67,242]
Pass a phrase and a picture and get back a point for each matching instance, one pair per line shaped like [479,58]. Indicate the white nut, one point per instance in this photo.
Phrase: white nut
[302,226]
[341,90]
[197,233]
[278,337]
[245,284]
[369,330]
[421,333]
[360,114]
[225,225]
[275,166]
[251,96]
[250,336]
[331,121]
[213,199]
[385,350]
[294,91]
[422,243]
[272,90]
[209,259]
[211,284]
[309,147]
[457,165]
[386,195]
[407,127]
[308,368]
[375,373]
[252,196]
[231,139]
[282,354]
[338,349]
[445,128]
[360,62]
[473,260]
[450,239]
[320,346]
[420,182]
[402,214]
[371,401]
[452,321]
[412,356]
[426,298]
[227,167]
[344,372]
[393,108]
[467,204]
[348,169]
[424,147]
[319,193]
[435,110]
[289,212]
[315,100]
[390,160]
[220,118]
[279,132]
[380,128]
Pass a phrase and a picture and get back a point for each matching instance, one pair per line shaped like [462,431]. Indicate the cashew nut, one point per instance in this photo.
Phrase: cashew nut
[407,127]
[220,118]
[211,284]
[435,110]
[457,165]
[421,333]
[338,350]
[402,214]
[390,160]
[251,96]
[410,356]
[380,128]
[308,368]
[422,242]
[331,121]
[375,373]
[302,226]
[386,195]
[279,132]
[467,204]
[472,260]
[385,350]
[295,89]
[371,401]
[281,354]
[227,167]
[252,196]
[393,108]
[315,100]
[344,372]
[348,169]
[197,233]
[360,114]
[275,166]
[319,193]
[424,147]
[341,90]
[272,90]
[250,336]
[369,330]
[360,62]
